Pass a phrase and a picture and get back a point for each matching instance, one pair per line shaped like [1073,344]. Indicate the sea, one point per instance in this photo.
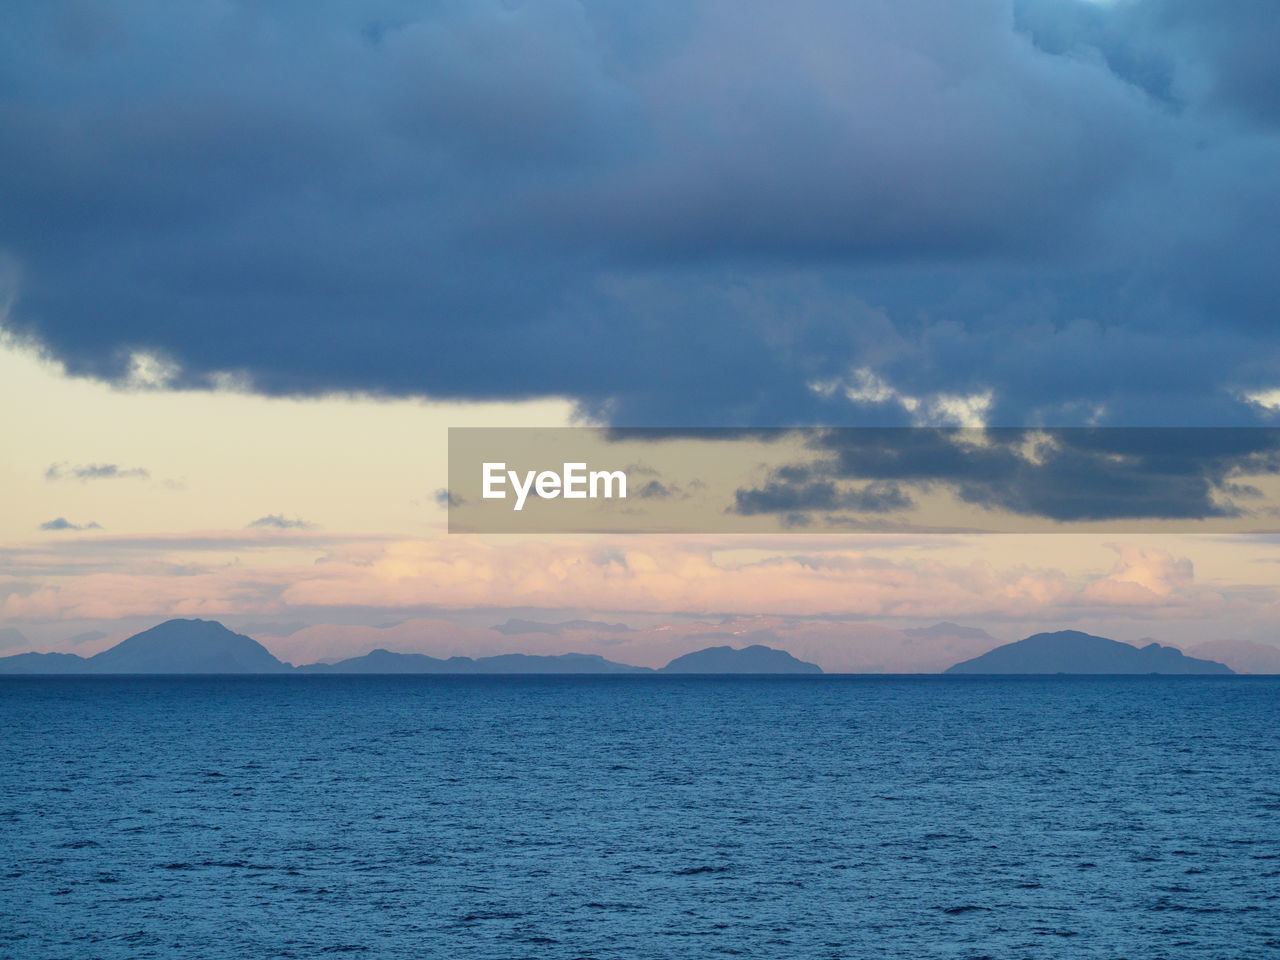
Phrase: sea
[594,817]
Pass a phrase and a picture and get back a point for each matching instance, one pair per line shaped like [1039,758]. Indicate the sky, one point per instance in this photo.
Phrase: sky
[255,259]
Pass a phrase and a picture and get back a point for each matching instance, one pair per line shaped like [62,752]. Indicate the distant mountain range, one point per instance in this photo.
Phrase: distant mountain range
[536,626]
[176,646]
[385,661]
[1243,656]
[207,647]
[10,638]
[1070,651]
[753,659]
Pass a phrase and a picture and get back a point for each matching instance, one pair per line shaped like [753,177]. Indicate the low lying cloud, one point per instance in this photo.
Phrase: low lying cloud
[94,471]
[568,589]
[278,521]
[663,576]
[446,498]
[62,523]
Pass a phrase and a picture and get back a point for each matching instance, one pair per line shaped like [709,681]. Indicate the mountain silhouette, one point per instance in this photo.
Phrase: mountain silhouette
[1070,651]
[187,646]
[11,637]
[43,664]
[514,626]
[948,629]
[175,646]
[207,647]
[753,659]
[564,663]
[1242,656]
[385,661]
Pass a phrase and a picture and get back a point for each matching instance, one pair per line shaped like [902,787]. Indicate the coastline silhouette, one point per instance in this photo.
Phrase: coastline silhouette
[178,647]
[1074,652]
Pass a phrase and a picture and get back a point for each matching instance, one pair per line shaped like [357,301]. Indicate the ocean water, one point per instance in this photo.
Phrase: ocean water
[639,817]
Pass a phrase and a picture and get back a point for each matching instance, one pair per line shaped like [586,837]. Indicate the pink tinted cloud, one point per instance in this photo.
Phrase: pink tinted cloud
[689,576]
[1143,577]
[699,576]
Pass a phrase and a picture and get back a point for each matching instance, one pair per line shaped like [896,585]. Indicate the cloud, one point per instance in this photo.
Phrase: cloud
[62,523]
[940,409]
[643,580]
[278,521]
[444,498]
[789,497]
[644,575]
[1143,577]
[94,471]
[672,213]
[656,490]
[1071,474]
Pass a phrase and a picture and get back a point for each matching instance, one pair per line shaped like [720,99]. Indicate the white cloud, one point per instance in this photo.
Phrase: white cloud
[865,386]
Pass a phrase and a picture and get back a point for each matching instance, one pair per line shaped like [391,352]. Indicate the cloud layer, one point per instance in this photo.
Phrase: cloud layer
[1069,474]
[709,212]
[265,573]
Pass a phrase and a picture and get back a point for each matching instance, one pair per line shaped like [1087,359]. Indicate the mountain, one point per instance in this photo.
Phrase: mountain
[11,637]
[384,661]
[187,646]
[42,664]
[207,647]
[948,629]
[1242,656]
[564,663]
[176,646]
[515,626]
[1070,651]
[89,636]
[753,659]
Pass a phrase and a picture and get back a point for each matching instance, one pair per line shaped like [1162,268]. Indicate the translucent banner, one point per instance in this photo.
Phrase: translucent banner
[873,480]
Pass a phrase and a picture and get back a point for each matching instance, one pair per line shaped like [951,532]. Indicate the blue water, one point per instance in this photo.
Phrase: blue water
[639,817]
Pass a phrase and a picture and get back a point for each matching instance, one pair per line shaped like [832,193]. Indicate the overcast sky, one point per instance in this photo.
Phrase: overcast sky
[692,212]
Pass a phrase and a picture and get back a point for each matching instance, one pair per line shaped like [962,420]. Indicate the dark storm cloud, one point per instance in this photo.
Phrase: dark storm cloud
[1074,474]
[1182,51]
[1230,43]
[671,212]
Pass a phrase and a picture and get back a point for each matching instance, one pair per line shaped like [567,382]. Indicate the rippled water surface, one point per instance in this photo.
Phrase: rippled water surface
[640,817]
